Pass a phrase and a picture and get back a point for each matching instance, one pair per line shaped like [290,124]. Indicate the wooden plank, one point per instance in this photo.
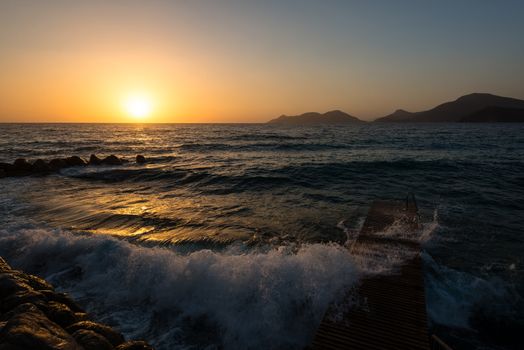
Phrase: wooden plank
[392,314]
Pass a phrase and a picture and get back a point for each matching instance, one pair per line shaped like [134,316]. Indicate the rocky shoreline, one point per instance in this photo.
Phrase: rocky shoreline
[21,167]
[34,316]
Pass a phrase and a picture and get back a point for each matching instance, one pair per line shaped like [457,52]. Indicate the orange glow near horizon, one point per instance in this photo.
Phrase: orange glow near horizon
[138,106]
[71,61]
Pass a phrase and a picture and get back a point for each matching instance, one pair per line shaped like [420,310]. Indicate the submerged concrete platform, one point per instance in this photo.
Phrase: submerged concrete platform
[390,309]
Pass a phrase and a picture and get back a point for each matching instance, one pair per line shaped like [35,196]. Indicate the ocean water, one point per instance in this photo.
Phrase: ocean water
[232,236]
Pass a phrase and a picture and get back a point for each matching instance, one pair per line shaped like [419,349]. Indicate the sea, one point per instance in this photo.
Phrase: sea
[234,236]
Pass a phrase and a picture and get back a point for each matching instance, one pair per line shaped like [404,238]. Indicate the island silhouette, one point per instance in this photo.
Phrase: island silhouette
[331,117]
[475,107]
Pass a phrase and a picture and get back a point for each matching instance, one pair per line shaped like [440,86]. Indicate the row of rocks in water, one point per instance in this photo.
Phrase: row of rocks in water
[21,167]
[34,316]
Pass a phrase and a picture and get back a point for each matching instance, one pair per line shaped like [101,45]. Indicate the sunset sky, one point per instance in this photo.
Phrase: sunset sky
[249,61]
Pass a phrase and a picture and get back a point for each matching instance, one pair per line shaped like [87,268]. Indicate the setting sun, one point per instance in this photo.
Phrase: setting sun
[138,107]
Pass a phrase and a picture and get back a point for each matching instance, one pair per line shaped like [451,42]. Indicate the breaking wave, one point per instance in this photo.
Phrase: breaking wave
[267,298]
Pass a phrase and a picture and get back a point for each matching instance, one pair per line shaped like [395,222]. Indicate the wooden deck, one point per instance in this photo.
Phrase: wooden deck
[391,308]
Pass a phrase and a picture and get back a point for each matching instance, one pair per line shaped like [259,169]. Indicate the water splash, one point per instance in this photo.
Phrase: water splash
[259,299]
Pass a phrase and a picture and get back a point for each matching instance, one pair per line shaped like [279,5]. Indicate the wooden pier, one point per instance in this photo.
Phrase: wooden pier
[391,310]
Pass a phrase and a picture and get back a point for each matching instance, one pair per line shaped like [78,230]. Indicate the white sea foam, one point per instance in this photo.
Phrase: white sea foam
[385,258]
[235,298]
[271,299]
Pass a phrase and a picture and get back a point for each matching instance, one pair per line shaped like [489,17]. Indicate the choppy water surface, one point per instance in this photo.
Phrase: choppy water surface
[230,236]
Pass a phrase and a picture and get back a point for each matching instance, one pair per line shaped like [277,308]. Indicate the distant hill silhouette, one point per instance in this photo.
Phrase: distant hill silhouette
[331,117]
[496,115]
[398,116]
[455,111]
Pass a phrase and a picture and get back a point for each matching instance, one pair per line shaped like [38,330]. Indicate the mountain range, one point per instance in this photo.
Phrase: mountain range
[476,107]
[462,109]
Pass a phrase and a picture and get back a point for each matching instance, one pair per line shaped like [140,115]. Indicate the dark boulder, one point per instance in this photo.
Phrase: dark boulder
[28,328]
[21,167]
[10,284]
[112,160]
[57,164]
[33,316]
[33,281]
[4,266]
[62,298]
[94,160]
[4,317]
[111,335]
[75,161]
[40,166]
[140,159]
[134,345]
[81,316]
[91,340]
[60,313]
[22,297]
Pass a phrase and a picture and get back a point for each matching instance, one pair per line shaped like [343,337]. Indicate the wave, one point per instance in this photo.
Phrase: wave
[118,174]
[304,174]
[492,308]
[203,180]
[260,147]
[272,298]
[263,137]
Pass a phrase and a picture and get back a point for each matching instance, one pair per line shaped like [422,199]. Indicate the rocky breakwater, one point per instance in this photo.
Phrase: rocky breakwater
[22,167]
[34,316]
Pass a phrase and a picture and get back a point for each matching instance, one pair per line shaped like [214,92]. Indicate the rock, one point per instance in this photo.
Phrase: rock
[91,340]
[4,266]
[11,284]
[28,328]
[21,165]
[19,168]
[81,316]
[19,309]
[60,313]
[33,281]
[112,160]
[75,161]
[40,166]
[62,298]
[94,160]
[57,164]
[33,316]
[134,345]
[21,297]
[111,335]
[140,159]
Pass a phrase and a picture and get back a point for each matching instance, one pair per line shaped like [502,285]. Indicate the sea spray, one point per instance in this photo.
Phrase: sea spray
[281,185]
[387,258]
[271,299]
[453,296]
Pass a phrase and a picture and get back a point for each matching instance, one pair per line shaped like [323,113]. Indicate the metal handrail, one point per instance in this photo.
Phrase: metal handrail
[438,344]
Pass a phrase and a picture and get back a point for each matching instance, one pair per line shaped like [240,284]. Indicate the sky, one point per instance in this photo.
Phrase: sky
[250,61]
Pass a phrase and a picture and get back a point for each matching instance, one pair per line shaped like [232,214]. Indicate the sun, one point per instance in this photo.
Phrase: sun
[138,107]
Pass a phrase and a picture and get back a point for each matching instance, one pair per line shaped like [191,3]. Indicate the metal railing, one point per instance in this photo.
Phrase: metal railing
[438,344]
